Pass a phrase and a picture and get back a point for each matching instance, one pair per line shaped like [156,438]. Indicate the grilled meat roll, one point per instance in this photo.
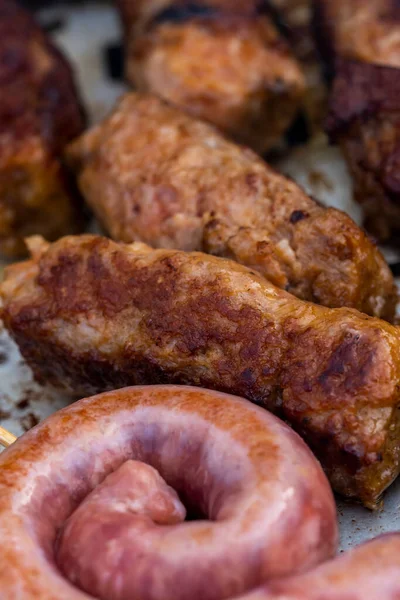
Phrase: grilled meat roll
[222,61]
[153,174]
[40,113]
[364,119]
[89,314]
[360,40]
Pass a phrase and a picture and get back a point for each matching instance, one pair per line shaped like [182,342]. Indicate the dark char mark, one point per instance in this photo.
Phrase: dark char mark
[182,12]
[113,59]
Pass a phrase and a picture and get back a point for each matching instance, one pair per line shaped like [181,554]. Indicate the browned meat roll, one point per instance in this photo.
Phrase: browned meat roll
[89,314]
[219,60]
[364,119]
[360,40]
[153,174]
[39,113]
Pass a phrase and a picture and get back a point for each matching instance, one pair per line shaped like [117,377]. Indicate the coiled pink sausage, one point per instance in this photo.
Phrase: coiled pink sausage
[369,572]
[86,508]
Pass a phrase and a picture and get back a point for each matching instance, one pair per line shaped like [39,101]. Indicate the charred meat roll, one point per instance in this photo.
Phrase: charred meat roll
[364,119]
[89,314]
[222,61]
[40,113]
[360,40]
[153,174]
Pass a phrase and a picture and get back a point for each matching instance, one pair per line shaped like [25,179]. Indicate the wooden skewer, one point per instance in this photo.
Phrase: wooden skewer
[6,438]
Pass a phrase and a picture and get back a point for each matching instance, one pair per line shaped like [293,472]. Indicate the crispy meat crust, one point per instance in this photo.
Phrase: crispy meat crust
[90,314]
[229,66]
[360,40]
[39,113]
[153,174]
[364,118]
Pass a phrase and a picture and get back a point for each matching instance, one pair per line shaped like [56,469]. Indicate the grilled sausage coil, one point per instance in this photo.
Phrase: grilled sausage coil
[85,506]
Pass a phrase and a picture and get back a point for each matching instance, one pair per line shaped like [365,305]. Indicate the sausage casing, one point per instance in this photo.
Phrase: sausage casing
[251,477]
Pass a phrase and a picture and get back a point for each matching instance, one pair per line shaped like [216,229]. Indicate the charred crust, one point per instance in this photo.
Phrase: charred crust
[352,350]
[183,11]
[360,91]
[180,12]
[298,215]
